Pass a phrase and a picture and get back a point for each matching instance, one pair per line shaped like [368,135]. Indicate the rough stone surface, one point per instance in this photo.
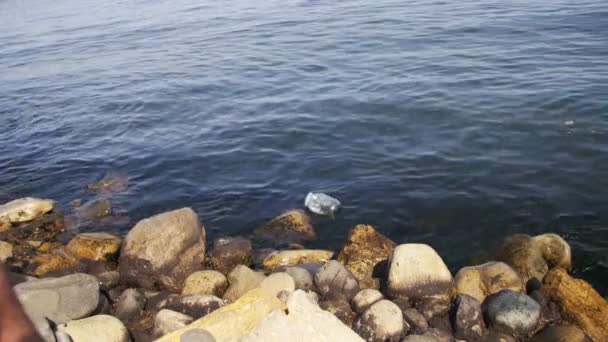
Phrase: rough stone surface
[560,333]
[161,251]
[25,209]
[440,335]
[365,298]
[291,226]
[417,271]
[233,321]
[497,336]
[467,319]
[101,328]
[43,328]
[130,304]
[416,321]
[241,280]
[109,279]
[229,252]
[419,338]
[301,277]
[334,281]
[196,306]
[483,280]
[383,321]
[512,312]
[364,254]
[94,246]
[6,251]
[167,321]
[296,257]
[306,321]
[197,335]
[205,282]
[278,282]
[340,309]
[60,299]
[54,263]
[578,302]
[431,307]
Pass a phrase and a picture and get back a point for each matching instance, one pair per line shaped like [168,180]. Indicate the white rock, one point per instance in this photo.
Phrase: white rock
[101,328]
[278,282]
[383,321]
[167,321]
[25,209]
[365,298]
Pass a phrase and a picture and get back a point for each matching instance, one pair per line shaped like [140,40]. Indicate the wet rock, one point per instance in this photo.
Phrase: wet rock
[578,302]
[532,257]
[25,209]
[95,209]
[341,309]
[431,307]
[241,280]
[130,305]
[334,281]
[60,299]
[383,321]
[55,263]
[296,257]
[365,253]
[6,251]
[417,271]
[278,282]
[227,253]
[109,279]
[291,226]
[301,277]
[167,321]
[111,182]
[560,333]
[205,282]
[233,321]
[483,280]
[365,298]
[161,251]
[96,328]
[196,306]
[197,335]
[94,246]
[416,321]
[467,319]
[512,312]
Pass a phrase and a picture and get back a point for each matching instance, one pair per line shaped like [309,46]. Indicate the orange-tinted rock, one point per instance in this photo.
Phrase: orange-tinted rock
[296,257]
[5,224]
[579,303]
[291,226]
[94,246]
[58,262]
[483,280]
[364,250]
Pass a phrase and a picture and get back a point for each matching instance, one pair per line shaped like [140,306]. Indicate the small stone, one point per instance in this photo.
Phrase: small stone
[196,306]
[109,279]
[25,209]
[483,280]
[96,328]
[130,305]
[43,328]
[402,303]
[365,298]
[94,246]
[167,321]
[417,271]
[383,321]
[302,278]
[57,262]
[6,251]
[278,282]
[334,281]
[60,299]
[291,226]
[431,307]
[296,257]
[416,321]
[439,335]
[467,319]
[205,282]
[340,309]
[560,333]
[512,312]
[197,335]
[419,338]
[533,285]
[227,253]
[241,280]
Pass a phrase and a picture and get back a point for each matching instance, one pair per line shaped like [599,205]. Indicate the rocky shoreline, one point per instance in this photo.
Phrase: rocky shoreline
[161,283]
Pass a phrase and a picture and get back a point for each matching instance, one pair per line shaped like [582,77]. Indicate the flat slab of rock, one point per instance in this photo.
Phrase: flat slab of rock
[233,321]
[296,257]
[206,282]
[512,312]
[60,299]
[25,209]
[417,271]
[161,251]
[100,328]
[94,246]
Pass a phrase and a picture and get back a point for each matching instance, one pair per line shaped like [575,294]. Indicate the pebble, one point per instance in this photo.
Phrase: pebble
[278,282]
[205,282]
[334,281]
[468,319]
[365,298]
[416,321]
[167,321]
[382,322]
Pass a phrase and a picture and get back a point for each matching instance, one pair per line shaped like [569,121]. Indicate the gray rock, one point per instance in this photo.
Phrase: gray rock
[43,327]
[96,328]
[512,312]
[468,319]
[417,322]
[334,281]
[278,282]
[431,307]
[130,305]
[60,336]
[167,321]
[60,299]
[25,209]
[229,252]
[439,335]
[365,298]
[109,279]
[419,338]
[197,335]
[241,280]
[301,277]
[383,321]
[341,309]
[195,306]
[103,307]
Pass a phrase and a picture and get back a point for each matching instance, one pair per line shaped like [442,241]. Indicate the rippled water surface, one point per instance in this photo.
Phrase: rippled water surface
[454,123]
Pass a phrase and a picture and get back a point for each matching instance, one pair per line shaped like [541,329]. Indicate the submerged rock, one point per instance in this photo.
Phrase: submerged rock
[486,279]
[96,328]
[25,209]
[296,257]
[291,226]
[334,281]
[364,254]
[512,312]
[111,182]
[227,253]
[205,282]
[161,251]
[383,321]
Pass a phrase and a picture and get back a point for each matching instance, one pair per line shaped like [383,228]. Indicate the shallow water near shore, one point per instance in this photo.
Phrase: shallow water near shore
[450,123]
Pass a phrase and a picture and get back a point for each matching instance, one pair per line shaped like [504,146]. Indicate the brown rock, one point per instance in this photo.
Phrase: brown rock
[296,257]
[5,224]
[6,251]
[341,309]
[560,333]
[227,253]
[364,252]
[292,226]
[57,262]
[483,280]
[94,246]
[579,303]
[206,282]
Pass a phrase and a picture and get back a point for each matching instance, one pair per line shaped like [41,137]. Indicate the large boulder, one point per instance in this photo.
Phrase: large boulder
[383,321]
[60,299]
[94,246]
[100,328]
[334,281]
[467,319]
[512,312]
[242,279]
[579,303]
[560,333]
[417,271]
[229,252]
[296,257]
[167,321]
[161,251]
[25,209]
[233,321]
[483,280]
[205,282]
[364,254]
[291,226]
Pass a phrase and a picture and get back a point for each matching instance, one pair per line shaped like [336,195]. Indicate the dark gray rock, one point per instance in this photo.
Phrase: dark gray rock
[382,322]
[130,305]
[195,306]
[467,319]
[439,335]
[430,307]
[512,312]
[197,335]
[340,309]
[402,303]
[103,307]
[561,333]
[417,322]
[301,277]
[334,281]
[109,279]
